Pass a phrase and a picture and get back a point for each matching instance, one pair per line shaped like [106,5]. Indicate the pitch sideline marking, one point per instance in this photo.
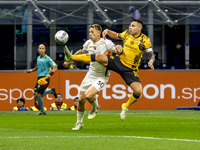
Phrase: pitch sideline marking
[134,137]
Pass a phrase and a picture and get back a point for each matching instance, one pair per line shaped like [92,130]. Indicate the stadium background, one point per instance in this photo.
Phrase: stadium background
[24,24]
[161,90]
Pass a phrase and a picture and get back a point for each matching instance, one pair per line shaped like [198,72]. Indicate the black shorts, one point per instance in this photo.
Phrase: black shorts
[128,75]
[41,88]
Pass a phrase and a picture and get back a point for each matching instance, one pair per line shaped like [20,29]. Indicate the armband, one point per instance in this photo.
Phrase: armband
[51,73]
[31,70]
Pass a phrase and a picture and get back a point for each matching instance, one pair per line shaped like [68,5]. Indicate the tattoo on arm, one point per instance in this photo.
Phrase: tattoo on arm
[151,56]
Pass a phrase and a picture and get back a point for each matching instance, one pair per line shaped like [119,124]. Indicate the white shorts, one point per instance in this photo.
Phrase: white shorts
[97,81]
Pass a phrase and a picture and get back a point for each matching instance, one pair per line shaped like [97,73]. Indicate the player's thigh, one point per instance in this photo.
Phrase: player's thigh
[91,92]
[37,95]
[136,87]
[81,94]
[97,85]
[86,83]
[41,88]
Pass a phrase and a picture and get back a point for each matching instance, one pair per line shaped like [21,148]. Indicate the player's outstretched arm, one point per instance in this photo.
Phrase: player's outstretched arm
[31,70]
[110,33]
[151,59]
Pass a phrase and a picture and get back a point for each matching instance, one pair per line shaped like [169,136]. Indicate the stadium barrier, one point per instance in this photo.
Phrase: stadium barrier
[161,89]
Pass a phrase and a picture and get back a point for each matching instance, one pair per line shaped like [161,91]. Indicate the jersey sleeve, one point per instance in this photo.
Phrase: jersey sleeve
[85,47]
[52,63]
[123,35]
[147,44]
[110,46]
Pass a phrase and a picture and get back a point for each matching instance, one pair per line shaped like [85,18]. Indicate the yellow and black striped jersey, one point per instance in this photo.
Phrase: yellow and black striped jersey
[133,49]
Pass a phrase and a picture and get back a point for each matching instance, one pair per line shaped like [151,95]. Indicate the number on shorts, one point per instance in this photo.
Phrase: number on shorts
[101,84]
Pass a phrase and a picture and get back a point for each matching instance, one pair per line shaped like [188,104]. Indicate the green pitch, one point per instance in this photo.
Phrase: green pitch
[141,130]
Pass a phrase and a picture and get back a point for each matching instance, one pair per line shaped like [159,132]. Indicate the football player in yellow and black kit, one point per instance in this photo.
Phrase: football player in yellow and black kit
[135,44]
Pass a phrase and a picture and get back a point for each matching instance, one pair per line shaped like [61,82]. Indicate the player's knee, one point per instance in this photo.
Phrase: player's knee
[81,96]
[138,92]
[82,101]
[37,95]
[98,57]
[89,99]
[88,96]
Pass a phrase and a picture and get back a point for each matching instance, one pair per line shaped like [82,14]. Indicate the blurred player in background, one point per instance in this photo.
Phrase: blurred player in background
[135,44]
[70,65]
[58,104]
[20,105]
[44,63]
[96,77]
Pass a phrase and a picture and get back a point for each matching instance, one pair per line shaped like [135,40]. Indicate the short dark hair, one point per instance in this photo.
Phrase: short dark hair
[76,98]
[21,99]
[96,26]
[138,21]
[59,94]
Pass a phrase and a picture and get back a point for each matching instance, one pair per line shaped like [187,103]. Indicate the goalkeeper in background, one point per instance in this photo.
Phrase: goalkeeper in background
[44,63]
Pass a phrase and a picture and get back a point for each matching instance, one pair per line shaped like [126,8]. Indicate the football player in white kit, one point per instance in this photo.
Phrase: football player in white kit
[96,77]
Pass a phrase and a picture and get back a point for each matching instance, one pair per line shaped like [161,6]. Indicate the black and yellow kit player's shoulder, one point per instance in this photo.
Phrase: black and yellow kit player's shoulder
[133,49]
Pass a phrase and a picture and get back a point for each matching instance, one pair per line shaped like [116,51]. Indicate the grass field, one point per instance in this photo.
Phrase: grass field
[141,130]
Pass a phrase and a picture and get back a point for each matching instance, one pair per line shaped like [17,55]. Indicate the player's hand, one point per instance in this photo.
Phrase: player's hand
[150,64]
[119,49]
[66,65]
[104,33]
[48,76]
[42,81]
[27,71]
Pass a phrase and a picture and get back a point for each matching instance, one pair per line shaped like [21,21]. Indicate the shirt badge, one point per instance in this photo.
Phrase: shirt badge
[138,42]
[132,42]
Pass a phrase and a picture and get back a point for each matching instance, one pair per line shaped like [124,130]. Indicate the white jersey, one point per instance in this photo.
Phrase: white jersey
[103,46]
[96,76]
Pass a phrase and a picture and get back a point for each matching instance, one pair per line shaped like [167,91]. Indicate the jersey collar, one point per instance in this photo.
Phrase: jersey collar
[138,36]
[43,56]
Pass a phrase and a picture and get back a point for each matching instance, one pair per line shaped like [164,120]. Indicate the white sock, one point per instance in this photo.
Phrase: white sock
[80,115]
[95,103]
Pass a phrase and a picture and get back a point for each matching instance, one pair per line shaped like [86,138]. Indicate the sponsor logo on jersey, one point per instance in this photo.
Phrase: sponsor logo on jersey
[132,42]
